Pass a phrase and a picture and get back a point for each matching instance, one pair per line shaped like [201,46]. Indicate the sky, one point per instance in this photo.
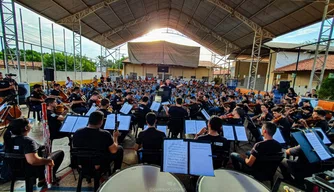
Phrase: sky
[92,49]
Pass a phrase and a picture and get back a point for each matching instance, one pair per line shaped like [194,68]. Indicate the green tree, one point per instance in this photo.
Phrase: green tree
[326,90]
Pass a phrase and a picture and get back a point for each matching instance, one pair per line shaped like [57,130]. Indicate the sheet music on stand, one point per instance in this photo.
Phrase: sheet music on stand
[228,132]
[165,103]
[325,138]
[187,157]
[162,128]
[124,122]
[194,126]
[206,114]
[73,123]
[126,108]
[240,132]
[155,106]
[91,110]
[317,146]
[110,122]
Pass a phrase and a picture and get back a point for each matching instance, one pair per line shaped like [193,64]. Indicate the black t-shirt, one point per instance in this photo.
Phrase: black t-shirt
[36,95]
[268,117]
[90,103]
[257,109]
[151,138]
[266,147]
[23,145]
[167,92]
[218,145]
[233,121]
[205,105]
[177,112]
[108,79]
[93,138]
[285,128]
[114,103]
[292,95]
[75,97]
[4,84]
[232,106]
[55,92]
[54,123]
[143,110]
[307,115]
[323,124]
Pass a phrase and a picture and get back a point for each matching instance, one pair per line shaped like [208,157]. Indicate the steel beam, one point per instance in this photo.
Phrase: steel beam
[321,52]
[77,49]
[255,58]
[76,17]
[244,19]
[10,38]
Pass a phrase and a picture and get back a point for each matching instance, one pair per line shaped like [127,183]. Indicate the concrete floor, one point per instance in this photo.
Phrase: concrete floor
[68,183]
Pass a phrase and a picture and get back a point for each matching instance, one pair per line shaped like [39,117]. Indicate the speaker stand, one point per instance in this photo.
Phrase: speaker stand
[48,88]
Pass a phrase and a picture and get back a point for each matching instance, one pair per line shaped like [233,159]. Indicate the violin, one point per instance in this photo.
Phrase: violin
[276,120]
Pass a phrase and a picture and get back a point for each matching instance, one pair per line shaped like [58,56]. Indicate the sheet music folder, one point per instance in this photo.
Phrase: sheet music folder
[191,157]
[72,123]
[310,153]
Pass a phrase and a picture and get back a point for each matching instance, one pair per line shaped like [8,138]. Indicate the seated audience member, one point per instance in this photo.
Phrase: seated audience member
[219,144]
[150,139]
[268,146]
[16,140]
[93,137]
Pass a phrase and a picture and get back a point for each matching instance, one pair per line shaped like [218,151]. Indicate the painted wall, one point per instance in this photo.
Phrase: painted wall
[36,76]
[186,72]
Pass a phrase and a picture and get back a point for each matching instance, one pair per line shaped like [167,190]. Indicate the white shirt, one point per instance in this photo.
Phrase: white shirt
[69,84]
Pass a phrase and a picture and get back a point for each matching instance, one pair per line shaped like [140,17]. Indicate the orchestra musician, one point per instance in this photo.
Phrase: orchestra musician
[54,120]
[55,92]
[258,120]
[16,140]
[12,82]
[117,102]
[6,87]
[307,109]
[167,90]
[176,112]
[94,99]
[77,102]
[234,118]
[36,99]
[282,122]
[319,116]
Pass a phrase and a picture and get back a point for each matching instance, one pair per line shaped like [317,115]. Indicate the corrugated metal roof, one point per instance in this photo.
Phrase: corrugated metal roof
[306,65]
[212,23]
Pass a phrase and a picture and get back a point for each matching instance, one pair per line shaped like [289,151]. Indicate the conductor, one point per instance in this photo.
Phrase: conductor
[167,90]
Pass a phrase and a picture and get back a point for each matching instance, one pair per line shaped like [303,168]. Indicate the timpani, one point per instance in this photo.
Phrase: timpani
[229,180]
[142,178]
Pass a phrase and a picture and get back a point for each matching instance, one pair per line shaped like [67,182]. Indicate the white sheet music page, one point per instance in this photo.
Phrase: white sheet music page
[126,108]
[91,110]
[124,122]
[110,122]
[317,146]
[206,115]
[228,132]
[190,127]
[241,133]
[200,125]
[155,106]
[201,159]
[81,123]
[68,124]
[325,140]
[162,128]
[175,156]
[278,136]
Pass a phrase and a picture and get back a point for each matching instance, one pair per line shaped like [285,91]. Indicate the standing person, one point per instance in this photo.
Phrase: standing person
[167,87]
[36,99]
[69,83]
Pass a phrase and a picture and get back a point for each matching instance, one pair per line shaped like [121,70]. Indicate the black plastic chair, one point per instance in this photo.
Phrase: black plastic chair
[150,156]
[90,164]
[265,166]
[220,157]
[176,127]
[18,167]
[31,109]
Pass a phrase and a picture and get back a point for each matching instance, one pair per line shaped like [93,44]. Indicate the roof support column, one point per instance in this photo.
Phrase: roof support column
[255,58]
[10,38]
[325,34]
[77,49]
